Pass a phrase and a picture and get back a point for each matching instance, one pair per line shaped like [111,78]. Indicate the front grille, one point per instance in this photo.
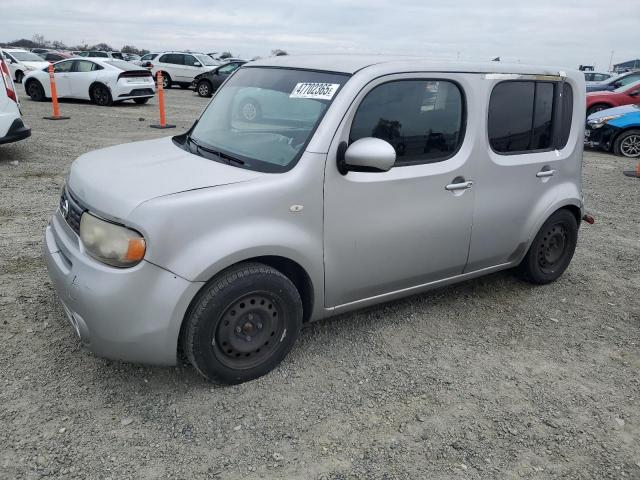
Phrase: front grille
[72,210]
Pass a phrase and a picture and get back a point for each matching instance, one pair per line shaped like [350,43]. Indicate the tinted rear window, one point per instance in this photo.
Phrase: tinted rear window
[567,114]
[510,114]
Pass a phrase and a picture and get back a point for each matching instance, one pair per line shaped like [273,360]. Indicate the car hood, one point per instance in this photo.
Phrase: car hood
[614,111]
[37,65]
[115,180]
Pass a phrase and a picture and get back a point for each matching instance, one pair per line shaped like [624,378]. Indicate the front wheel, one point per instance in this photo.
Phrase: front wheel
[628,144]
[19,76]
[552,250]
[204,88]
[597,108]
[242,324]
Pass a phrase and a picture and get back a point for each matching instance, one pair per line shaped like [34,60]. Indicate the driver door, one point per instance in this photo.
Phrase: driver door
[62,74]
[409,226]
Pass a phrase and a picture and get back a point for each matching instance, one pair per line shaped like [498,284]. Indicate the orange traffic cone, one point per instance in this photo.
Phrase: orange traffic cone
[54,97]
[633,173]
[160,90]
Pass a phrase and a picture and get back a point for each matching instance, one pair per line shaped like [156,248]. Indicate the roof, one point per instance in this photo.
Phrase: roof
[628,63]
[352,63]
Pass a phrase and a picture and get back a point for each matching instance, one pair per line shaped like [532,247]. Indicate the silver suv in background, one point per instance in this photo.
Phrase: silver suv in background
[312,186]
[12,128]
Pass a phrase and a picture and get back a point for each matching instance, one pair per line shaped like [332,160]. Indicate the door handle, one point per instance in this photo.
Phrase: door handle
[452,187]
[545,173]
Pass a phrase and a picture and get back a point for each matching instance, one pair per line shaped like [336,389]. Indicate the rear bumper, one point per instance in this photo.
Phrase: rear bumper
[131,314]
[17,131]
[138,93]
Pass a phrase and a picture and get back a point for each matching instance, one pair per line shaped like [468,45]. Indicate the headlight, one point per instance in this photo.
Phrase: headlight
[110,243]
[599,122]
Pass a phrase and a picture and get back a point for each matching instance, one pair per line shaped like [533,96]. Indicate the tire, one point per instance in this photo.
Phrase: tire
[141,101]
[35,90]
[166,81]
[101,95]
[204,88]
[596,108]
[19,76]
[250,110]
[552,249]
[242,324]
[627,144]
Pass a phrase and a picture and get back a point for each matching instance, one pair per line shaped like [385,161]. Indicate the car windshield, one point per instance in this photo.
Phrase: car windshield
[207,61]
[263,118]
[26,57]
[629,86]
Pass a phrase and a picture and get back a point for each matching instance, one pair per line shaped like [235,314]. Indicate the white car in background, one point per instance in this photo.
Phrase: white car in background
[12,128]
[22,62]
[180,68]
[103,81]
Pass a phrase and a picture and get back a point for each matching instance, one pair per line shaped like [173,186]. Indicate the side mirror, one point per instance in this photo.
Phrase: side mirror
[197,64]
[366,154]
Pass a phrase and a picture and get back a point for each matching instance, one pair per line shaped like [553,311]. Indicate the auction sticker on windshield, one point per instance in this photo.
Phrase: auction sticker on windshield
[320,91]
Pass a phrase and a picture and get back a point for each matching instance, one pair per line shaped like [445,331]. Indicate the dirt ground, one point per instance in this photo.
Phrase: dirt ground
[492,378]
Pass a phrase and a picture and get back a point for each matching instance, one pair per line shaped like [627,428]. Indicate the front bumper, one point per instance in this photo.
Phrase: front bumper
[131,314]
[600,137]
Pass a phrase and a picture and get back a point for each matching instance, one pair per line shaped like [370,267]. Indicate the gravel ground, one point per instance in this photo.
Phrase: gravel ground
[492,378]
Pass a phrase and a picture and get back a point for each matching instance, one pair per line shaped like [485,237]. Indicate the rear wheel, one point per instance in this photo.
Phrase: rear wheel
[242,324]
[35,90]
[204,88]
[141,101]
[101,96]
[628,144]
[552,249]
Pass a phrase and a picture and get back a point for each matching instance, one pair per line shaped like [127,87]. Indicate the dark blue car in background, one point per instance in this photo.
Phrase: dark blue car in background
[615,129]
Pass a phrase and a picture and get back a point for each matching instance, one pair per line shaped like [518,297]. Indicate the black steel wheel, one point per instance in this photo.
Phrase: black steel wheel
[627,144]
[204,88]
[249,330]
[101,96]
[35,90]
[552,249]
[242,324]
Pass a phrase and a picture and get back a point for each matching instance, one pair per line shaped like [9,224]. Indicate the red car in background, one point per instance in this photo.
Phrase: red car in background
[53,57]
[626,95]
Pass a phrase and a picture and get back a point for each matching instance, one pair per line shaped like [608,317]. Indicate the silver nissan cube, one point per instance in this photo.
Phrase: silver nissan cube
[311,186]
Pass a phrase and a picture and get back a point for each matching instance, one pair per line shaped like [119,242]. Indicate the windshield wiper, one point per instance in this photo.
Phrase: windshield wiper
[222,156]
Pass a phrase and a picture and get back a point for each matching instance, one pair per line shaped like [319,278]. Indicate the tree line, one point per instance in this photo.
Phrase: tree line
[39,41]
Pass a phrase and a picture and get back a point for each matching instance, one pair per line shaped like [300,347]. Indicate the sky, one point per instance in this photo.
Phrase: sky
[563,33]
